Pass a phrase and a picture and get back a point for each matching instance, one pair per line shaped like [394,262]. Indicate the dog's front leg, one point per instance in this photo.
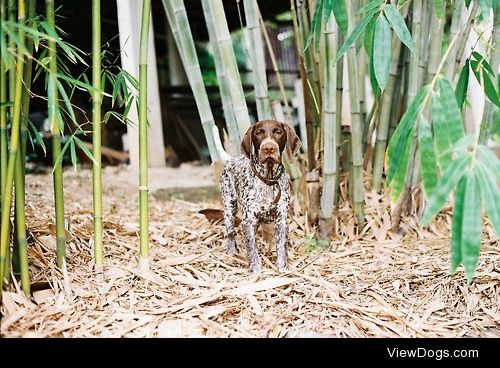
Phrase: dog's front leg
[250,232]
[281,236]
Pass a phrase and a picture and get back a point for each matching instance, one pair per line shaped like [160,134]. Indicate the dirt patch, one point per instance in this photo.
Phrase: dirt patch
[371,282]
[195,195]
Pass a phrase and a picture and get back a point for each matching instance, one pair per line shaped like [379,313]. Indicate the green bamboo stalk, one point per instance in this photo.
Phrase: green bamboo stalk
[223,37]
[181,30]
[11,9]
[3,114]
[398,97]
[455,27]
[56,126]
[227,106]
[416,31]
[143,136]
[330,133]
[14,146]
[356,130]
[424,44]
[20,252]
[490,108]
[338,121]
[256,53]
[465,36]
[385,111]
[96,135]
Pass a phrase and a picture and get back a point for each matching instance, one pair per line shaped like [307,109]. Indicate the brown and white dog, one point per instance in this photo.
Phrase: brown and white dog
[257,180]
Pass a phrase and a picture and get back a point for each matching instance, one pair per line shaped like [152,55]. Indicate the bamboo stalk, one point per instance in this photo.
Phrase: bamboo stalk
[455,27]
[3,114]
[338,122]
[223,37]
[465,36]
[222,77]
[330,134]
[490,108]
[385,112]
[177,19]
[96,136]
[143,137]
[56,127]
[436,30]
[11,10]
[424,44]
[256,53]
[14,146]
[356,131]
[416,31]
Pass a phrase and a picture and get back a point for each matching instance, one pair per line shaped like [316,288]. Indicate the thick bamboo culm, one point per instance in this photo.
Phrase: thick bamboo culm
[232,146]
[96,135]
[3,113]
[56,126]
[223,37]
[455,27]
[436,29]
[356,180]
[143,137]
[338,121]
[177,19]
[490,108]
[330,132]
[465,36]
[258,61]
[14,147]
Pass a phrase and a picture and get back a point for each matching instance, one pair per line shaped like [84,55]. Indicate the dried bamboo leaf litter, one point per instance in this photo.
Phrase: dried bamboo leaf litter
[369,284]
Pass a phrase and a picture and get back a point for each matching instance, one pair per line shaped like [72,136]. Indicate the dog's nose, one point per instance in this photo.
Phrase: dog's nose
[269,150]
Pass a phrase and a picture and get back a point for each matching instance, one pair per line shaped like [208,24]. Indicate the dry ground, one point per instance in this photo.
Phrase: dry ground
[375,283]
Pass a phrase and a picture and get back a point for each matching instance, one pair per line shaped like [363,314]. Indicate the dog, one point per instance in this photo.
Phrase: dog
[257,180]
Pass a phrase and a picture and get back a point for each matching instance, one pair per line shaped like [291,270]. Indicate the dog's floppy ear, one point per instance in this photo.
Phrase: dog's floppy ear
[246,142]
[292,142]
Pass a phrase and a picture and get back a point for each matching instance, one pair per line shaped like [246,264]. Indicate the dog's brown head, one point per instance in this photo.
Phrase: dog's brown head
[270,137]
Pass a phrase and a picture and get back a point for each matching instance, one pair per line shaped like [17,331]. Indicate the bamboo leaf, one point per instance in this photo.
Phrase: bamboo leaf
[462,145]
[462,84]
[485,6]
[471,226]
[490,160]
[439,8]
[456,227]
[373,79]
[467,3]
[444,186]
[368,39]
[85,150]
[360,27]
[67,103]
[382,51]
[38,137]
[85,86]
[60,157]
[399,26]
[340,12]
[485,80]
[400,175]
[490,194]
[427,157]
[396,146]
[455,127]
[315,32]
[484,63]
[372,5]
[72,150]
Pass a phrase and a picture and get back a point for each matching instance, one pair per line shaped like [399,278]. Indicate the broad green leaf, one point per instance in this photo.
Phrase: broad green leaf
[397,143]
[467,3]
[456,226]
[484,63]
[400,175]
[472,226]
[374,4]
[373,79]
[485,80]
[439,8]
[490,160]
[315,32]
[490,194]
[427,157]
[85,149]
[340,12]
[462,84]
[360,27]
[399,26]
[444,186]
[368,38]
[454,126]
[382,51]
[462,145]
[85,86]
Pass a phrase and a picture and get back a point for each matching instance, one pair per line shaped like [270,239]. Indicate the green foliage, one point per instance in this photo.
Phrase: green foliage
[382,51]
[399,26]
[483,73]
[357,31]
[428,164]
[462,84]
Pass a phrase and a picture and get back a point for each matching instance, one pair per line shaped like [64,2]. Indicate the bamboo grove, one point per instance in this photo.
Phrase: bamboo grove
[408,70]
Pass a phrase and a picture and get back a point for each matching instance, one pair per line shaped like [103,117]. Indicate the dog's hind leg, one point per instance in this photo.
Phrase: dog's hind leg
[229,198]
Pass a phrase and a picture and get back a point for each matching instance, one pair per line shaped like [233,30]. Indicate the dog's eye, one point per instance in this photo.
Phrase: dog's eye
[277,132]
[260,132]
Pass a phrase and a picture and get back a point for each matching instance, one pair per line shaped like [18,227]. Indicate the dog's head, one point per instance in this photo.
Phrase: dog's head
[269,138]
